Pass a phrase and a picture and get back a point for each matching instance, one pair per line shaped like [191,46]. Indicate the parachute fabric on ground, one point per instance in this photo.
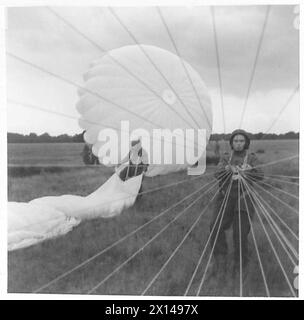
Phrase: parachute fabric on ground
[32,223]
[108,200]
[48,217]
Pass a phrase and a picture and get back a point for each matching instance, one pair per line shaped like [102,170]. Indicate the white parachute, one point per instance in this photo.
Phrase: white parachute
[147,83]
[122,85]
[49,217]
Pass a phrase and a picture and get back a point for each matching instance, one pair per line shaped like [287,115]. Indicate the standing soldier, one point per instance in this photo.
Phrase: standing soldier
[239,161]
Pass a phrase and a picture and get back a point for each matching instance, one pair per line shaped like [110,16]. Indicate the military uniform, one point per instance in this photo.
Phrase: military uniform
[135,167]
[231,212]
[137,164]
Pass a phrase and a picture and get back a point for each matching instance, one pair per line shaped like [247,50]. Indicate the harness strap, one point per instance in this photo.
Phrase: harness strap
[245,159]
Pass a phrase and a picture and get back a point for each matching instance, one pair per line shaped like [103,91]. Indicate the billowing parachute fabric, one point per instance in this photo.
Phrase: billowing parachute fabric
[137,86]
[49,217]
[136,89]
[29,224]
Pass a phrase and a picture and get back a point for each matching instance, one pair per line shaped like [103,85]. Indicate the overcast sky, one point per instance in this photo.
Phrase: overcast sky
[37,35]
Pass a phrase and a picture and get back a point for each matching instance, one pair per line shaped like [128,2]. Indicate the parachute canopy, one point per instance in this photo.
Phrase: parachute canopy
[147,88]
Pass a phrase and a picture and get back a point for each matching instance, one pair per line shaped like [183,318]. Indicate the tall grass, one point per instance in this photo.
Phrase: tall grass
[32,267]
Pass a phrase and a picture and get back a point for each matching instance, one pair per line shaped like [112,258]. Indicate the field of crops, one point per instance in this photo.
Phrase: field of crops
[30,268]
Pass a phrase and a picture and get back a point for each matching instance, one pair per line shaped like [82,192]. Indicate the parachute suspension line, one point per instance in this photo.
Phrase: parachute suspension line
[255,243]
[221,213]
[276,161]
[268,217]
[118,63]
[204,250]
[266,233]
[61,114]
[84,263]
[275,197]
[93,43]
[270,242]
[157,69]
[276,230]
[276,214]
[94,166]
[65,115]
[175,183]
[180,243]
[183,64]
[143,192]
[150,241]
[253,175]
[218,65]
[273,187]
[76,85]
[193,179]
[72,83]
[295,90]
[240,240]
[255,64]
[282,176]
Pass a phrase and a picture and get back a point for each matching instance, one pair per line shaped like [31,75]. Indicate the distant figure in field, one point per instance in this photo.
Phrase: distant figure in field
[237,163]
[88,156]
[217,149]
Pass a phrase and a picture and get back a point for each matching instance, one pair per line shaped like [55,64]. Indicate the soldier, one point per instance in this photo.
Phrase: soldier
[239,161]
[137,164]
[86,153]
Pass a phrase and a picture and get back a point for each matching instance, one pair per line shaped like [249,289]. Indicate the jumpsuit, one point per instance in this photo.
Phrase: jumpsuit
[230,216]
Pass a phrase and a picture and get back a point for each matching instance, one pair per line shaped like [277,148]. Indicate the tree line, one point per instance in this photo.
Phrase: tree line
[43,138]
[46,138]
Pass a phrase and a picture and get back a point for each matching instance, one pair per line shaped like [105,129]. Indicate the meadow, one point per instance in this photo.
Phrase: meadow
[37,170]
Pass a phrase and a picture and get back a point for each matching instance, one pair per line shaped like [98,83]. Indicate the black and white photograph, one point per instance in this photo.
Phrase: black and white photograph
[152,150]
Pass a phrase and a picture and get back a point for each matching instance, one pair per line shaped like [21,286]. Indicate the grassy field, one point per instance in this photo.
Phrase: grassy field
[30,268]
[39,154]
